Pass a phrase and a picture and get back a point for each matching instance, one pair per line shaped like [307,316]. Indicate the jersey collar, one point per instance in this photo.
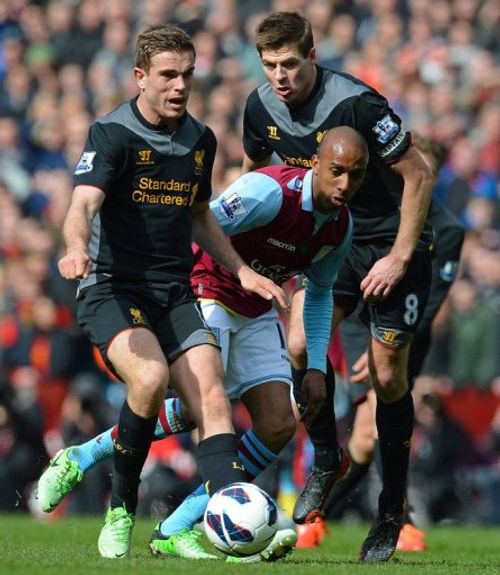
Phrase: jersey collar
[295,110]
[307,201]
[153,127]
[307,196]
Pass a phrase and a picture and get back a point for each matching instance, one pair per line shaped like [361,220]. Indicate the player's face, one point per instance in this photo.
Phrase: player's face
[338,173]
[165,87]
[290,75]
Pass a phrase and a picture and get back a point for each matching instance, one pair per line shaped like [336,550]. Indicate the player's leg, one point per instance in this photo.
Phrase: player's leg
[68,467]
[250,349]
[354,335]
[197,376]
[264,388]
[218,458]
[139,361]
[393,324]
[394,418]
[273,426]
[331,463]
[119,322]
[361,447]
[449,236]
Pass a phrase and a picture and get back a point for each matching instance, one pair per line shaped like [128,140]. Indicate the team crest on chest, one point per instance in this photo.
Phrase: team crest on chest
[295,184]
[199,157]
[136,316]
[319,136]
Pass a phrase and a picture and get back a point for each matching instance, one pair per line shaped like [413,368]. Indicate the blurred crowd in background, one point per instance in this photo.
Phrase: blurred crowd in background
[65,62]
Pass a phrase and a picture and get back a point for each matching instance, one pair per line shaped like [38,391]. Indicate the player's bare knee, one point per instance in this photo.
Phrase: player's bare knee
[215,402]
[151,381]
[388,387]
[276,431]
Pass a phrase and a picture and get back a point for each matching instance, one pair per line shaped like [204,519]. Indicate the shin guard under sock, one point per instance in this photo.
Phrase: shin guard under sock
[131,448]
[395,429]
[323,430]
[218,462]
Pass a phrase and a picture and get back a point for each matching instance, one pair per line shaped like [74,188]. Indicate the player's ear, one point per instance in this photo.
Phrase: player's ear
[315,162]
[140,77]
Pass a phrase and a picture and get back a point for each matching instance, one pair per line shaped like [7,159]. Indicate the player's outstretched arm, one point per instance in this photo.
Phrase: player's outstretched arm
[208,234]
[85,203]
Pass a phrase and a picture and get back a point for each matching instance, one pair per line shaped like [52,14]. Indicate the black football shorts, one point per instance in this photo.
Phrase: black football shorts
[170,311]
[393,321]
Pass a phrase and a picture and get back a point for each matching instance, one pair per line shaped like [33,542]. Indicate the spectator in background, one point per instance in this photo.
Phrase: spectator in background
[85,412]
[440,447]
[22,452]
[473,337]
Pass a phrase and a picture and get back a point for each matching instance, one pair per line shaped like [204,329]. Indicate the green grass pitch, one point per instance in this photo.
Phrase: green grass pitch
[68,547]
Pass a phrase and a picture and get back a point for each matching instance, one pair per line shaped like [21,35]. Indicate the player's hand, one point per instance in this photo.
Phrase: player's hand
[76,264]
[383,277]
[313,395]
[266,288]
[360,367]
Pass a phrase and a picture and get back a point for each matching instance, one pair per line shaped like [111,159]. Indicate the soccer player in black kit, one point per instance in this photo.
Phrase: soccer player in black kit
[388,268]
[446,246]
[141,195]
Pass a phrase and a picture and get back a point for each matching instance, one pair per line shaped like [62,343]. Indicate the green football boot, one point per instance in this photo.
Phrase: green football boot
[185,545]
[60,478]
[282,545]
[116,535]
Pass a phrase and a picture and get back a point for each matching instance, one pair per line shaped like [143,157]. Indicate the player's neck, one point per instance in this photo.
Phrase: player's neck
[154,119]
[309,90]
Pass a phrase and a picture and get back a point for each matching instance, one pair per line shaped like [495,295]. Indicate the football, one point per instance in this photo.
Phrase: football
[241,519]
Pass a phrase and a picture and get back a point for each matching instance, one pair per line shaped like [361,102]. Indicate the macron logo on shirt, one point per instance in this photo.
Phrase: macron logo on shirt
[282,245]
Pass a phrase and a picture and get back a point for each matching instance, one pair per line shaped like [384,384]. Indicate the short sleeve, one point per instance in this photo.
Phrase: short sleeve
[101,159]
[381,127]
[254,143]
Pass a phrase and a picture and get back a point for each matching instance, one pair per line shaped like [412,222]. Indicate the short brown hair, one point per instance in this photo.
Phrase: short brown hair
[283,28]
[161,38]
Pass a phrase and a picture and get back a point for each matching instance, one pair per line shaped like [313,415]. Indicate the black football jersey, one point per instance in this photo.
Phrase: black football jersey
[293,133]
[151,178]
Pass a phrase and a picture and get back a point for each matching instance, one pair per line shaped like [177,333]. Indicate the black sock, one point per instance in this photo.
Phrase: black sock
[395,428]
[323,430]
[218,462]
[347,484]
[131,448]
[297,377]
